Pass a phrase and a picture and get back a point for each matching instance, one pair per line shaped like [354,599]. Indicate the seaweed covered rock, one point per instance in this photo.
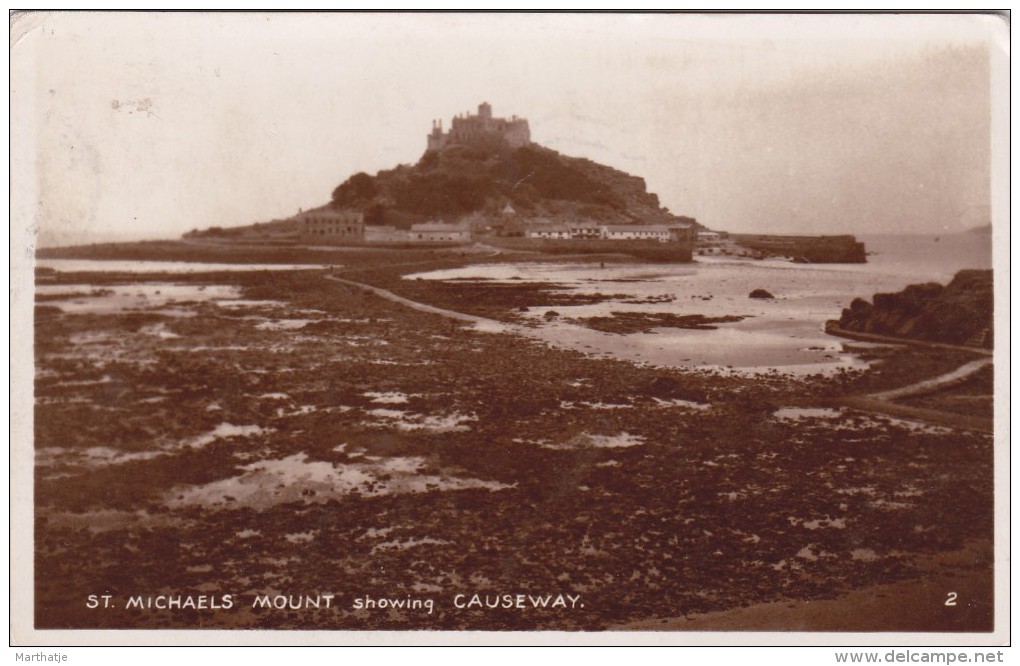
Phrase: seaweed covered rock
[959,313]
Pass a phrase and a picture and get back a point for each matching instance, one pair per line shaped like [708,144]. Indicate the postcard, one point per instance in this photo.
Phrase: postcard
[611,328]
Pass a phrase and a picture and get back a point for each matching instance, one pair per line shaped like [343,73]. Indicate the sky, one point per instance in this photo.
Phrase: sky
[148,125]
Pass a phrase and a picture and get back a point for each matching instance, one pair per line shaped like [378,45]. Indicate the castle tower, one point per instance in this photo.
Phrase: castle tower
[436,140]
[468,128]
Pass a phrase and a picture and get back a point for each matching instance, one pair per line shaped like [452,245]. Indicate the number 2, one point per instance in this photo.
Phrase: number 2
[951,599]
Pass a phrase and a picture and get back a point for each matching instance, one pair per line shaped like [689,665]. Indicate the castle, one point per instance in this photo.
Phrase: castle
[467,129]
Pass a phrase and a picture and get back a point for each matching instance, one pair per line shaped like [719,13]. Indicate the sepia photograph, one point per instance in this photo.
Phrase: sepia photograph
[643,327]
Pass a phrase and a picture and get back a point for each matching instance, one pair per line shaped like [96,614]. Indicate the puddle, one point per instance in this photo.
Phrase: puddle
[102,456]
[390,397]
[148,296]
[796,413]
[308,409]
[104,520]
[807,553]
[224,431]
[284,324]
[592,405]
[914,426]
[388,413]
[686,404]
[409,543]
[105,379]
[825,523]
[233,304]
[859,422]
[491,326]
[100,266]
[857,490]
[296,479]
[863,555]
[96,456]
[586,441]
[363,341]
[890,505]
[160,331]
[411,422]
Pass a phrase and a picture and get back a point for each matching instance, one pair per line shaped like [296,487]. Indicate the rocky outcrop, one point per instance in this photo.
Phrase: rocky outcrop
[959,313]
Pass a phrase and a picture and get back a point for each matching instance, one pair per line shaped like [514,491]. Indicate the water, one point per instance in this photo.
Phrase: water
[101,266]
[112,299]
[785,333]
[925,258]
[269,483]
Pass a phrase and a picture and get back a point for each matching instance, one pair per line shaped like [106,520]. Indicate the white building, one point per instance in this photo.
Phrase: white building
[673,233]
[555,231]
[439,232]
[656,232]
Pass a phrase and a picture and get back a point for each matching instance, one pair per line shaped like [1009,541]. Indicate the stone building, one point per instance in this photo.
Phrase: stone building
[331,227]
[467,129]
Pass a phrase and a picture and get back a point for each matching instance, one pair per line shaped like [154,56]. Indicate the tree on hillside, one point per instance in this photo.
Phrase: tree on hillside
[359,189]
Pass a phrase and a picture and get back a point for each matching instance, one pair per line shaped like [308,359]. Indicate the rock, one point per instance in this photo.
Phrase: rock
[551,314]
[959,313]
[760,293]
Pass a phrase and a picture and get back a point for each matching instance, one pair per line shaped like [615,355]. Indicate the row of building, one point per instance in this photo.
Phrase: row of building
[347,227]
[664,233]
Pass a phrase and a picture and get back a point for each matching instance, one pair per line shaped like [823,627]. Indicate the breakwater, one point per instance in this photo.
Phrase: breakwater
[844,249]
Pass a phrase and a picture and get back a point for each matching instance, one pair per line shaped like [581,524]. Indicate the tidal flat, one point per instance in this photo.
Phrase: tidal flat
[267,432]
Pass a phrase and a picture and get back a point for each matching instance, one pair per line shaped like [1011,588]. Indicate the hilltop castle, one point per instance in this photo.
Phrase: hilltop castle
[467,129]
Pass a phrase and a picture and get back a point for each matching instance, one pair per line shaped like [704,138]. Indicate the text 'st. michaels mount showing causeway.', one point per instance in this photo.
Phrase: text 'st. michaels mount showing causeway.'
[506,389]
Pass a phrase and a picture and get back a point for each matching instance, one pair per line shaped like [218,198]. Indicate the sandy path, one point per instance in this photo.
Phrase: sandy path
[884,402]
[832,329]
[935,383]
[489,324]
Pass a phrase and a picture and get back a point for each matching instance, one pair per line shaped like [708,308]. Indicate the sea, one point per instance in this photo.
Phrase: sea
[784,334]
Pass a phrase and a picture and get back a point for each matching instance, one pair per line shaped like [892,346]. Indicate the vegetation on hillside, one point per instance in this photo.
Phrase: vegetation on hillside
[535,181]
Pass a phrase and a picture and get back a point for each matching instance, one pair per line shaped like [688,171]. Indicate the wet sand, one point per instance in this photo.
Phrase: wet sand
[251,433]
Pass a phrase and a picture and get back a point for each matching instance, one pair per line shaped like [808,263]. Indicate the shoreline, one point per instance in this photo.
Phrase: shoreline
[550,469]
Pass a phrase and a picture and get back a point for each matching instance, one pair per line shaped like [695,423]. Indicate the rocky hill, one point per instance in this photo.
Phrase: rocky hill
[537,183]
[959,313]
